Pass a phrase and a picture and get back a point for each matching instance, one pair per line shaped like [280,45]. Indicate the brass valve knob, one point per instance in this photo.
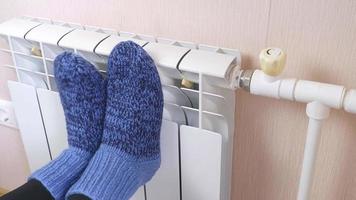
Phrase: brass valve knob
[272,61]
[36,51]
[187,84]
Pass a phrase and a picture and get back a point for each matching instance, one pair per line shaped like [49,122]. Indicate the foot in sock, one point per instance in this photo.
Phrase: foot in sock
[82,91]
[130,151]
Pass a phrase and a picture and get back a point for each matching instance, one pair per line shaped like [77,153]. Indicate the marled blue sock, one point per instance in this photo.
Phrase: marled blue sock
[130,151]
[82,91]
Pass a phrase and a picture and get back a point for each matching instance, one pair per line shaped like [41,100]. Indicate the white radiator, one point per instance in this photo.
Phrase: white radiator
[198,127]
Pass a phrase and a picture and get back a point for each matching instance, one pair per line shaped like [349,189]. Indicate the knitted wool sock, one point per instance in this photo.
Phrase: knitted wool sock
[130,151]
[82,91]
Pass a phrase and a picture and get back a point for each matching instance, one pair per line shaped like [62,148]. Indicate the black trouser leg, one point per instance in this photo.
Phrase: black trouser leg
[34,190]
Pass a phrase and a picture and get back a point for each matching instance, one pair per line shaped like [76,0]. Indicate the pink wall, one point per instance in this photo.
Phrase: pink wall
[319,38]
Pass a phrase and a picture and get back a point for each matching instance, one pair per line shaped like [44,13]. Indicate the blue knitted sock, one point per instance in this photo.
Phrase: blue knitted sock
[82,91]
[130,151]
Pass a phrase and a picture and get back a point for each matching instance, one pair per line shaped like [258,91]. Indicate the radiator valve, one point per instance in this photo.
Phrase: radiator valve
[272,61]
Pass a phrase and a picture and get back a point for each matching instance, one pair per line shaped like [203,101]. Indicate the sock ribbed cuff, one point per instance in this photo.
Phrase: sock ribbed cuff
[112,175]
[61,173]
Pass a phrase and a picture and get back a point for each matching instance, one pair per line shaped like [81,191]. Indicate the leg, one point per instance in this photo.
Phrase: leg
[33,189]
[129,154]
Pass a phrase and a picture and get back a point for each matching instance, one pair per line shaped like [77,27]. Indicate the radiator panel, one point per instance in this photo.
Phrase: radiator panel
[198,128]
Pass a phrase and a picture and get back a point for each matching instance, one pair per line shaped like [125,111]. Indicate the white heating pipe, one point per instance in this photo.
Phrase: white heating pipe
[320,97]
[316,112]
[333,96]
